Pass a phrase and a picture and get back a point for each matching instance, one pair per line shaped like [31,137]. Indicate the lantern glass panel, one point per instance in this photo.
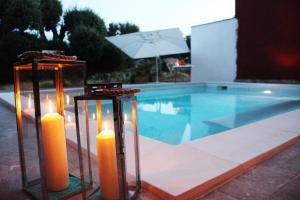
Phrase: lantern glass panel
[130,143]
[27,116]
[88,171]
[48,95]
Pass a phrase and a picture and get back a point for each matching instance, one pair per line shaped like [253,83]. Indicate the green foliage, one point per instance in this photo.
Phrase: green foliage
[11,45]
[188,41]
[74,18]
[20,15]
[122,28]
[23,26]
[87,43]
[2,7]
[112,58]
[51,11]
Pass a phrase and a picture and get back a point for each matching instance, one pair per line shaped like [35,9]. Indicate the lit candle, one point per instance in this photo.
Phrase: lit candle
[94,116]
[29,109]
[69,123]
[68,99]
[55,151]
[125,117]
[69,119]
[29,101]
[126,122]
[107,162]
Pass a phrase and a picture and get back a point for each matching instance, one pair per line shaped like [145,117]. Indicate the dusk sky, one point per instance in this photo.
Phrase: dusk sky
[158,14]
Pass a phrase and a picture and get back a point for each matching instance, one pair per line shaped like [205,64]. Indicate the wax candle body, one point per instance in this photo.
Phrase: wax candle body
[55,151]
[106,152]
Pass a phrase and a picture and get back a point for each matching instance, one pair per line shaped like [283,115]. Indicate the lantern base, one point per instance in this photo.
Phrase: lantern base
[74,188]
[96,195]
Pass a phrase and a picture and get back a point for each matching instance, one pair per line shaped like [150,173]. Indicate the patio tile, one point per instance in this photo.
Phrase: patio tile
[269,179]
[146,196]
[244,190]
[289,192]
[286,162]
[217,195]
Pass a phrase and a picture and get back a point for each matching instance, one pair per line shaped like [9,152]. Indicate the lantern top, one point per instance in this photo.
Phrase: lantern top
[45,54]
[109,89]
[114,92]
[46,60]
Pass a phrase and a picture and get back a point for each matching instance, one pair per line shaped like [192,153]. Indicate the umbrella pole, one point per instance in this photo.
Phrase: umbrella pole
[157,69]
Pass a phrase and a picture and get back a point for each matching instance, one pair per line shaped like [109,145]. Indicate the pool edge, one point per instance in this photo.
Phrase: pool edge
[214,183]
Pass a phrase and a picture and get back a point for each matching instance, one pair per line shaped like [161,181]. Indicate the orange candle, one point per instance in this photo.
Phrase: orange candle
[107,162]
[55,151]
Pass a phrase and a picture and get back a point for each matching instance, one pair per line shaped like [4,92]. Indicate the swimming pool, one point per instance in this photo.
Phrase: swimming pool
[181,114]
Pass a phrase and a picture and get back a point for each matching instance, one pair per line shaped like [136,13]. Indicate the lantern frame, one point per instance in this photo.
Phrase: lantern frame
[35,66]
[112,92]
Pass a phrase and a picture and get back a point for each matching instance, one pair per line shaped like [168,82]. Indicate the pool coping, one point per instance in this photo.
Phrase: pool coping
[210,185]
[280,137]
[287,135]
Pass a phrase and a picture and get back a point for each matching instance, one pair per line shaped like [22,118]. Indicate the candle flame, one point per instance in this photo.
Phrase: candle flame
[29,101]
[69,119]
[94,116]
[107,111]
[105,125]
[50,106]
[125,117]
[68,99]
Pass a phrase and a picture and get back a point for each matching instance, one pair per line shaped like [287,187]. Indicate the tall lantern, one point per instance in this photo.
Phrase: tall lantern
[106,120]
[45,84]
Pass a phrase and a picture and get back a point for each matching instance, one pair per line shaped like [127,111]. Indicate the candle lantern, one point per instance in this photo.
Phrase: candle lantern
[44,84]
[106,119]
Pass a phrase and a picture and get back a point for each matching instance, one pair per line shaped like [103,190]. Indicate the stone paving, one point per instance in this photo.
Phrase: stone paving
[275,179]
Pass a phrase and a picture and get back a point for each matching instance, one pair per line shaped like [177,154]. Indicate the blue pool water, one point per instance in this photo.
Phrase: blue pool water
[179,115]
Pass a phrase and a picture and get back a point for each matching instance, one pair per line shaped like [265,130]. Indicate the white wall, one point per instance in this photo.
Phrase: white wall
[213,51]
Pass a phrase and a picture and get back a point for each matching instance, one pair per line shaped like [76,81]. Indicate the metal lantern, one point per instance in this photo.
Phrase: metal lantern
[45,84]
[106,121]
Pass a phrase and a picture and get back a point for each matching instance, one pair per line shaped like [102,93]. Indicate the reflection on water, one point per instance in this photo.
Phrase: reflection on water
[182,118]
[161,107]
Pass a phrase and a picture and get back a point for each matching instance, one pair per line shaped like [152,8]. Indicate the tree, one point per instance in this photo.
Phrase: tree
[87,43]
[74,18]
[23,27]
[121,28]
[113,29]
[11,45]
[20,15]
[51,11]
[188,40]
[112,58]
[128,28]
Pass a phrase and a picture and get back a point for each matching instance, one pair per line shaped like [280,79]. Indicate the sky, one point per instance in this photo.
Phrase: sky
[152,15]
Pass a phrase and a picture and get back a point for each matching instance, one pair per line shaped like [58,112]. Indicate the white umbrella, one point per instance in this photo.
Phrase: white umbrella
[151,44]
